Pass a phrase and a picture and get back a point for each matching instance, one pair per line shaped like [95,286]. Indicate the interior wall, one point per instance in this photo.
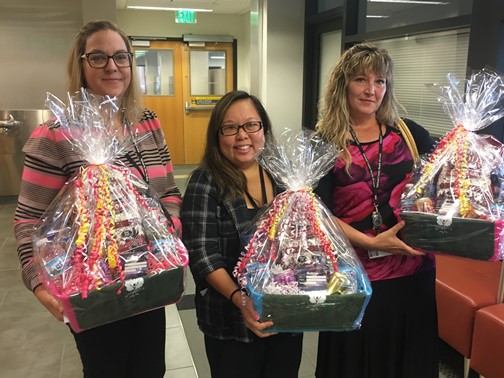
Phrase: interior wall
[99,10]
[282,85]
[35,37]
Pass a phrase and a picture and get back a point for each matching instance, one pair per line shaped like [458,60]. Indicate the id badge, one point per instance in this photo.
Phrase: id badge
[374,253]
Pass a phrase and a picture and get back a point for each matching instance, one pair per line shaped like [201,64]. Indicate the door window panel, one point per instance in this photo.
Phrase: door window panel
[155,72]
[208,72]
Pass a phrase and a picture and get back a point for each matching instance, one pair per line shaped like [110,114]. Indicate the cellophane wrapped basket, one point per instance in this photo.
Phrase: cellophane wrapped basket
[105,247]
[298,267]
[455,203]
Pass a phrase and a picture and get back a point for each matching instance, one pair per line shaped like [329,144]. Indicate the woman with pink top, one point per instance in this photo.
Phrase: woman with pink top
[398,337]
[102,61]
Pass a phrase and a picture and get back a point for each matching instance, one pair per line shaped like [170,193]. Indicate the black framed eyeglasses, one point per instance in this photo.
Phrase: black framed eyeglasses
[249,127]
[100,60]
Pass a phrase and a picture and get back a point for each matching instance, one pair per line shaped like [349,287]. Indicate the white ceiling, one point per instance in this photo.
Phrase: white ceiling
[218,6]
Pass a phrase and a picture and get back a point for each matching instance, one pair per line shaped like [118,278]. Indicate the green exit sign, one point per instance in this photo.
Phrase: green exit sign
[185,17]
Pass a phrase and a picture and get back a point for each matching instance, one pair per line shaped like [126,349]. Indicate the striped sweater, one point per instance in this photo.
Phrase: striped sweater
[50,161]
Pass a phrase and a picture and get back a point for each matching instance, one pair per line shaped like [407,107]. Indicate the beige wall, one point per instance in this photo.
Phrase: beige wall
[35,37]
[282,83]
[99,10]
[34,41]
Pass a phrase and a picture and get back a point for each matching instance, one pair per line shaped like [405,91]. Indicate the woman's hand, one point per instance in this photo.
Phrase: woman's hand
[388,241]
[251,317]
[49,302]
[222,282]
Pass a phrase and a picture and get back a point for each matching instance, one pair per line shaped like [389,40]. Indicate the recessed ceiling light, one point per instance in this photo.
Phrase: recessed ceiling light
[376,16]
[169,9]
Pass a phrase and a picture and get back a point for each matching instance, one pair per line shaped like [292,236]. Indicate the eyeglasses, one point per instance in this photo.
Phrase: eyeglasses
[249,127]
[100,60]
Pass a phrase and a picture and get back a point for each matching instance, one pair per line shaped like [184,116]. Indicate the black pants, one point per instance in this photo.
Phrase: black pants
[277,356]
[133,347]
[398,337]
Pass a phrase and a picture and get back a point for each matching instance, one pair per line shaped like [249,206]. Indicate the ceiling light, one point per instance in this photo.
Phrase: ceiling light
[376,16]
[410,2]
[169,9]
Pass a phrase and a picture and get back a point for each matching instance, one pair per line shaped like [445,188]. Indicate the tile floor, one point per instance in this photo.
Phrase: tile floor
[33,344]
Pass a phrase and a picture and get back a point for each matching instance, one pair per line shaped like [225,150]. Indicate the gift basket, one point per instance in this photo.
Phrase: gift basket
[105,247]
[454,205]
[298,267]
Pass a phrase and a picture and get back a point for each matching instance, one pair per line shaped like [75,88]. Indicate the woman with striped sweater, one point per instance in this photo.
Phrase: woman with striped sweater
[101,60]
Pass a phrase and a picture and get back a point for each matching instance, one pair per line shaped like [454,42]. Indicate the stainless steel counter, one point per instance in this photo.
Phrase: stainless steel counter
[15,128]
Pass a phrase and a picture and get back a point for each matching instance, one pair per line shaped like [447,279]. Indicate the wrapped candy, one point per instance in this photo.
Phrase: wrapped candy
[298,267]
[105,247]
[455,203]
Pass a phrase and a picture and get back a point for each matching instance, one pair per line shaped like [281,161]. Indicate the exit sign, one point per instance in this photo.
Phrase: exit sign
[185,17]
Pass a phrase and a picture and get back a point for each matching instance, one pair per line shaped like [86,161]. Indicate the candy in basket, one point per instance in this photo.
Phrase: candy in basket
[455,204]
[298,267]
[105,246]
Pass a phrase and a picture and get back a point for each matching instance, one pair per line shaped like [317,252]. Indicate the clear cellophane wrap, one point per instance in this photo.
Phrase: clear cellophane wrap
[463,177]
[105,233]
[298,265]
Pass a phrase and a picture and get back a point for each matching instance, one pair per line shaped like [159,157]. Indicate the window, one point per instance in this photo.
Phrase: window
[387,14]
[330,50]
[426,59]
[155,72]
[208,72]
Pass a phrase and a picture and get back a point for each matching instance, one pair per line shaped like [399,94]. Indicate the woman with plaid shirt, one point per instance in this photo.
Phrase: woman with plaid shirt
[223,196]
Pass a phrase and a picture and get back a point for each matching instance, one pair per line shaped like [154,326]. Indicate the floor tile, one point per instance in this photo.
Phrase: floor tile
[178,353]
[71,366]
[188,372]
[41,361]
[20,302]
[196,342]
[172,316]
[17,333]
[11,279]
[8,253]
[309,359]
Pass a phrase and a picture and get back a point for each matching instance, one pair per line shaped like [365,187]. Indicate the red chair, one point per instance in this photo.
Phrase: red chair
[488,342]
[463,286]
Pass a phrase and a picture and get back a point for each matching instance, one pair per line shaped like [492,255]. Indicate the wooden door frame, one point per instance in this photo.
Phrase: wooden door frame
[169,111]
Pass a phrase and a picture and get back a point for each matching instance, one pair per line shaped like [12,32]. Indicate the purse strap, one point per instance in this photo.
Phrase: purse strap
[408,138]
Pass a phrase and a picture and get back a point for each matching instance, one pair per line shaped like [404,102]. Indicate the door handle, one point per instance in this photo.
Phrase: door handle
[7,125]
[189,108]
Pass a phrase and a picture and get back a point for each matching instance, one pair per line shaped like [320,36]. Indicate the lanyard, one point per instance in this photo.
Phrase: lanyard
[375,180]
[263,191]
[143,171]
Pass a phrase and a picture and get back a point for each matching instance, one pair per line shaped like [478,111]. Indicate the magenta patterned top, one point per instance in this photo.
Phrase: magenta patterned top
[351,199]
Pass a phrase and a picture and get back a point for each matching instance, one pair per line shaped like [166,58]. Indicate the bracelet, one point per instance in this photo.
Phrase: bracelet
[233,293]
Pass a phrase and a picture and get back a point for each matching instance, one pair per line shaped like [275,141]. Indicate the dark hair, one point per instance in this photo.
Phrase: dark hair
[231,181]
[132,98]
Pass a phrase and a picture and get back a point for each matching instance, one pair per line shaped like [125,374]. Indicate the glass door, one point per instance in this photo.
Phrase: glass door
[208,75]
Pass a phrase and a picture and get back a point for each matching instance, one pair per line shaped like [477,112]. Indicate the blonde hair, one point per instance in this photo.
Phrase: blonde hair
[132,99]
[334,116]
